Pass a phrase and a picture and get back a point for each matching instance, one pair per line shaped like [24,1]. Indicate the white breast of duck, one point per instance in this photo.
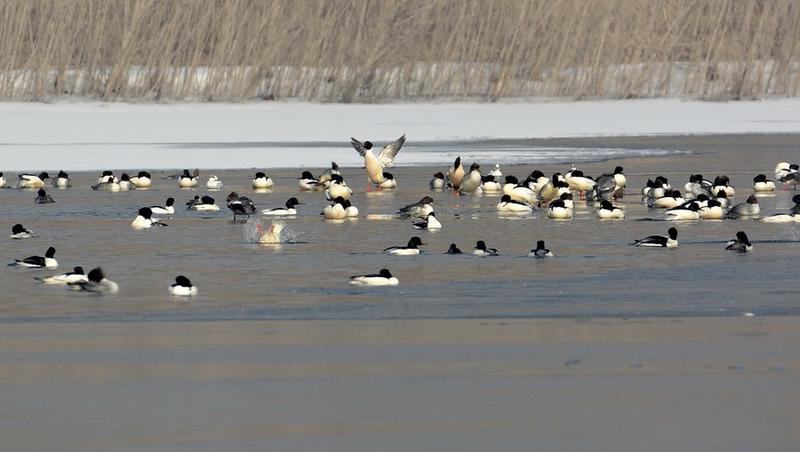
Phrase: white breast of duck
[473,179]
[437,182]
[125,183]
[430,223]
[183,287]
[3,181]
[142,180]
[712,211]
[619,177]
[62,180]
[383,278]
[389,181]
[261,181]
[187,180]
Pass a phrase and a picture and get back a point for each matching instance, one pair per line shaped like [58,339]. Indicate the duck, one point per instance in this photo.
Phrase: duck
[697,186]
[214,183]
[761,184]
[326,175]
[272,234]
[481,250]
[722,198]
[689,212]
[411,249]
[453,249]
[145,219]
[335,211]
[668,201]
[472,181]
[3,181]
[490,185]
[62,180]
[382,278]
[741,244]
[456,174]
[518,192]
[619,176]
[289,208]
[568,201]
[206,204]
[509,205]
[749,208]
[559,211]
[536,181]
[608,211]
[32,181]
[110,185]
[96,283]
[240,205]
[437,182]
[187,180]
[142,180]
[791,217]
[671,241]
[106,177]
[167,209]
[73,277]
[308,182]
[723,183]
[337,188]
[712,211]
[419,209]
[375,165]
[261,181]
[577,181]
[782,169]
[43,198]
[552,189]
[125,183]
[18,232]
[183,287]
[389,182]
[350,211]
[430,223]
[656,189]
[793,176]
[496,171]
[48,261]
[540,251]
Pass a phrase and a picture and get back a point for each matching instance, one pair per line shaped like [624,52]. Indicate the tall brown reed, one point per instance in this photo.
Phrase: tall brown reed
[382,50]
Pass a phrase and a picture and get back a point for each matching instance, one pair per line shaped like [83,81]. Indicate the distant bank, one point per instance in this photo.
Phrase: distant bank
[408,50]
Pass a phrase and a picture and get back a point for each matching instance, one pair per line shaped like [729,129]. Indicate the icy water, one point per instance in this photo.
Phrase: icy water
[595,273]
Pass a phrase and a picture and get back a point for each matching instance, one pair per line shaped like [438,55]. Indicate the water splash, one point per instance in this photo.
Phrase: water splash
[257,231]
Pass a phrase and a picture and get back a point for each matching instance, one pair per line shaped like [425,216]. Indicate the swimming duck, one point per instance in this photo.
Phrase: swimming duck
[284,211]
[723,183]
[430,223]
[419,209]
[608,211]
[490,185]
[109,184]
[48,261]
[507,204]
[206,204]
[125,183]
[350,211]
[761,184]
[453,249]
[722,198]
[106,177]
[335,211]
[748,208]
[43,198]
[712,211]
[19,232]
[261,181]
[481,250]
[96,283]
[438,182]
[559,211]
[697,186]
[788,173]
[690,212]
[31,181]
[791,217]
[187,180]
[308,182]
[62,180]
[142,180]
[73,277]
[673,199]
[518,192]
[671,241]
[145,219]
[383,278]
[183,287]
[168,208]
[411,249]
[741,244]
[389,181]
[326,175]
[540,251]
[337,188]
[496,171]
[375,165]
[240,205]
[214,183]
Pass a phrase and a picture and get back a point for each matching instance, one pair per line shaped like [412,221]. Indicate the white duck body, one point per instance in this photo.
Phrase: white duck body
[187,180]
[31,181]
[767,186]
[73,277]
[214,183]
[384,278]
[142,180]
[3,181]
[781,218]
[261,181]
[472,181]
[692,212]
[559,211]
[608,211]
[62,180]
[509,205]
[712,211]
[577,181]
[338,190]
[429,223]
[335,211]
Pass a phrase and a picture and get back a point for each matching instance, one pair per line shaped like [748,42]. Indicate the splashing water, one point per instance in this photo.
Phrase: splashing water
[274,232]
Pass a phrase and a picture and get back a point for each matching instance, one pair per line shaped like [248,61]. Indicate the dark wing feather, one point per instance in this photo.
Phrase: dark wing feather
[359,146]
[389,152]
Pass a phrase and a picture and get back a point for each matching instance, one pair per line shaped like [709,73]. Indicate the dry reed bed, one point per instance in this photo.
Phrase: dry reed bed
[379,50]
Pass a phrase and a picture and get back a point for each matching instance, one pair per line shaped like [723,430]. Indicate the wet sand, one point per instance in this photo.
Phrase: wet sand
[660,385]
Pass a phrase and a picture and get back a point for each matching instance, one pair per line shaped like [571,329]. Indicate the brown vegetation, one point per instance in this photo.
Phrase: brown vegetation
[381,50]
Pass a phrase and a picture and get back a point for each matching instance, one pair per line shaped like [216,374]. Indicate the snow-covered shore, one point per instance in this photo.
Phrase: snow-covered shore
[91,135]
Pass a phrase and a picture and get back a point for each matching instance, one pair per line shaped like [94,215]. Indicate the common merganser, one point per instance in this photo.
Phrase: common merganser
[419,209]
[240,205]
[308,182]
[453,249]
[490,185]
[741,244]
[206,204]
[142,180]
[214,183]
[671,241]
[167,209]
[608,211]
[456,174]
[31,181]
[438,182]
[187,180]
[481,250]
[48,261]
[411,249]
[559,211]
[749,208]
[73,277]
[283,211]
[507,204]
[540,251]
[429,223]
[62,180]
[375,165]
[389,181]
[383,278]
[43,198]
[125,183]
[145,219]
[762,184]
[97,283]
[335,211]
[261,181]
[19,232]
[183,287]
[472,181]
[496,171]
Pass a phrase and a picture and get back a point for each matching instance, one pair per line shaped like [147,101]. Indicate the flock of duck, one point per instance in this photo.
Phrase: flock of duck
[702,199]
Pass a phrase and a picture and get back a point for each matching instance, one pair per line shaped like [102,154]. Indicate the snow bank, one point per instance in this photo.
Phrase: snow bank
[114,135]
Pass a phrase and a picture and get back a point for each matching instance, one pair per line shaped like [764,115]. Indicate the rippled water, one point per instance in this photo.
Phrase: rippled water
[595,271]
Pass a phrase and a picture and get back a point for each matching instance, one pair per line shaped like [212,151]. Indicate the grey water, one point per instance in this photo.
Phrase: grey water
[596,273]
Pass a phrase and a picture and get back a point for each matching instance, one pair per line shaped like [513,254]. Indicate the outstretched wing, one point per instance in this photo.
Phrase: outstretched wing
[359,146]
[388,153]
